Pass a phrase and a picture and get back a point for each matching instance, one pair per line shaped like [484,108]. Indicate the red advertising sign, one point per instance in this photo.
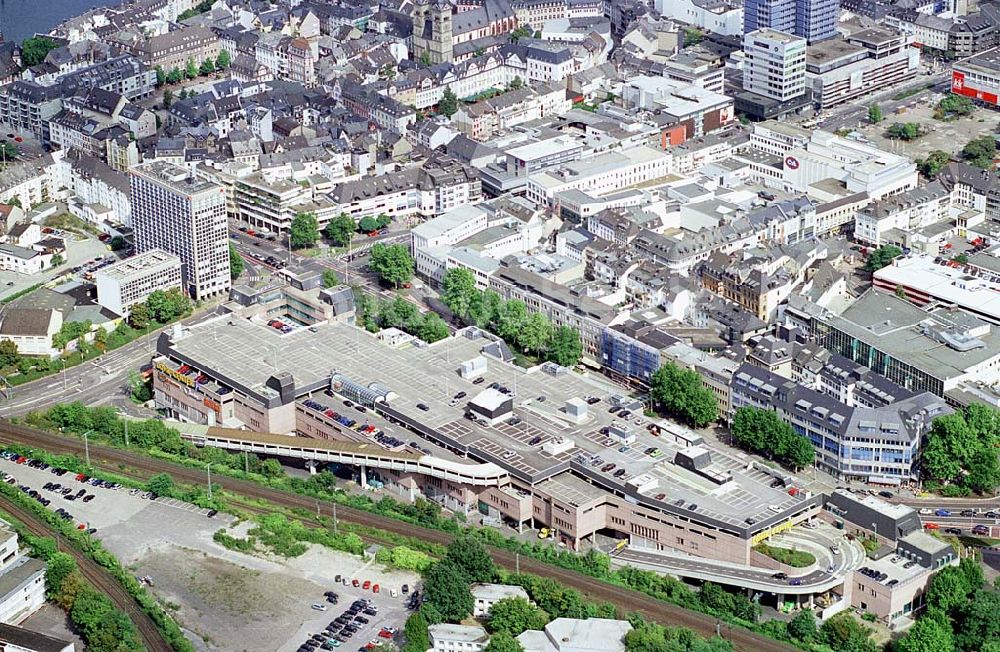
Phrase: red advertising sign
[960,87]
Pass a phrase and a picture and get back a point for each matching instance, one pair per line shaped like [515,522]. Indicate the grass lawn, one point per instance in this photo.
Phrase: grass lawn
[793,558]
[70,222]
[869,545]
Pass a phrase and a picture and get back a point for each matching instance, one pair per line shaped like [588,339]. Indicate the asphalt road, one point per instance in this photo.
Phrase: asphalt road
[849,115]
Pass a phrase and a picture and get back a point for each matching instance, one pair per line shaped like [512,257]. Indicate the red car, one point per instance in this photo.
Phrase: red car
[385,634]
[375,588]
[367,585]
[356,583]
[931,526]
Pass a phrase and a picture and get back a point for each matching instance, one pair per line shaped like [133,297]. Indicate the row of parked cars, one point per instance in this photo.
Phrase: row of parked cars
[344,626]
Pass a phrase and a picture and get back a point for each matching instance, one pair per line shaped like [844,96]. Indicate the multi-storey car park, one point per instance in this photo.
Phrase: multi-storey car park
[554,455]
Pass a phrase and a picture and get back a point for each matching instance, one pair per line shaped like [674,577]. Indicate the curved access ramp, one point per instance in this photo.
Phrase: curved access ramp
[356,454]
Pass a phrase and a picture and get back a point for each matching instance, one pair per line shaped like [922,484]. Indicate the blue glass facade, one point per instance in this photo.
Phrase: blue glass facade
[813,20]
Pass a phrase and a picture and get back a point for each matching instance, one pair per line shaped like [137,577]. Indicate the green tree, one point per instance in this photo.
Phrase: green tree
[904,131]
[458,289]
[410,559]
[141,390]
[845,634]
[516,84]
[118,243]
[425,58]
[271,468]
[304,230]
[160,484]
[446,586]
[235,263]
[191,69]
[207,67]
[930,166]
[952,106]
[9,355]
[951,445]
[330,278]
[881,257]
[468,553]
[516,615]
[392,263]
[415,634]
[681,393]
[9,152]
[101,338]
[139,316]
[693,36]
[984,471]
[875,114]
[535,334]
[35,49]
[980,151]
[763,431]
[159,306]
[175,75]
[484,308]
[565,347]
[340,229]
[56,261]
[929,634]
[510,319]
[433,328]
[977,621]
[503,642]
[59,566]
[448,104]
[522,31]
[367,224]
[223,60]
[161,76]
[71,587]
[803,626]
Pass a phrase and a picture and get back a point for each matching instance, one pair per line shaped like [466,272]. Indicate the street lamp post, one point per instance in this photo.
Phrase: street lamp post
[86,447]
[875,526]
[208,470]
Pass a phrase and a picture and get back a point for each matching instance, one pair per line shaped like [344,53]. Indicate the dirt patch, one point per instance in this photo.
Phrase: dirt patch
[226,606]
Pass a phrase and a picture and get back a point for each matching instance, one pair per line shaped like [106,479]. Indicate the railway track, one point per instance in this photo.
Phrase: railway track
[96,575]
[626,600]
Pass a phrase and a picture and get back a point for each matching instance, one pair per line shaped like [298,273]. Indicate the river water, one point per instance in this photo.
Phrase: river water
[20,19]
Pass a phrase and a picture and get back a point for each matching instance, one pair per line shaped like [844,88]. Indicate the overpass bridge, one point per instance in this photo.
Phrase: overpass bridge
[365,455]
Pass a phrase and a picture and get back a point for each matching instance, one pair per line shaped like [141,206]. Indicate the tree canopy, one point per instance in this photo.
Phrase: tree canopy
[515,616]
[35,49]
[503,642]
[904,131]
[448,104]
[392,263]
[468,553]
[235,263]
[961,448]
[681,394]
[981,151]
[446,586]
[340,229]
[881,257]
[330,278]
[764,432]
[304,231]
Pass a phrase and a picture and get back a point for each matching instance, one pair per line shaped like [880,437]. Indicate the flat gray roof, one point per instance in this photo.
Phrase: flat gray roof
[887,322]
[250,352]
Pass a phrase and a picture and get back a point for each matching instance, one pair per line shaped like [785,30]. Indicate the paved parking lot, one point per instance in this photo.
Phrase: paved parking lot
[224,600]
